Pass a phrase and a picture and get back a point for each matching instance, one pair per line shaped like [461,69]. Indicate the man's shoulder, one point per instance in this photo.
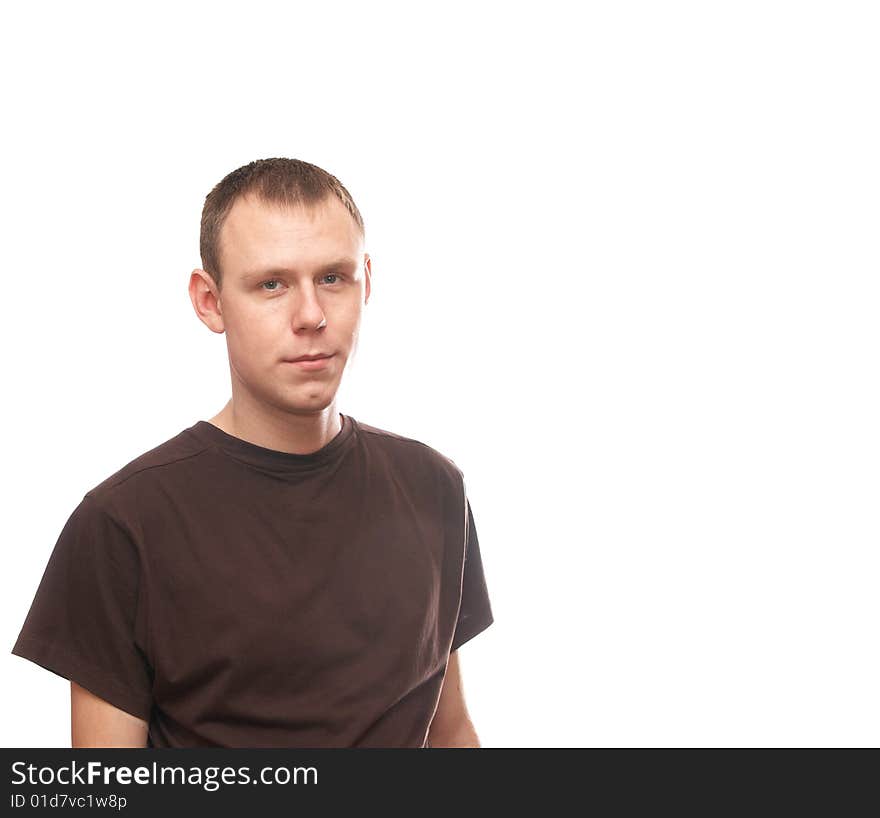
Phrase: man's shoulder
[410,450]
[178,449]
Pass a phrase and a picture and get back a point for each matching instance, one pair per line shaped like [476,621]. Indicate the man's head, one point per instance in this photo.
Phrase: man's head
[284,274]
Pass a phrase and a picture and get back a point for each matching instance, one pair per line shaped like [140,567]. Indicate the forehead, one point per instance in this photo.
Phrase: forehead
[256,233]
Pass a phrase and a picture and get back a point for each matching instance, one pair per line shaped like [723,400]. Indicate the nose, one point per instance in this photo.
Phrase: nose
[308,313]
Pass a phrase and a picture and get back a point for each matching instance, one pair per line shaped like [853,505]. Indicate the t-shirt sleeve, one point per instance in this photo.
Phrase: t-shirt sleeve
[82,621]
[475,612]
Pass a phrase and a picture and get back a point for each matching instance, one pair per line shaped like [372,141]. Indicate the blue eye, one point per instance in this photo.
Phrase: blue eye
[276,281]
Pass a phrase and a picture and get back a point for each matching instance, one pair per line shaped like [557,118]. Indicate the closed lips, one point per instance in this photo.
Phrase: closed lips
[310,357]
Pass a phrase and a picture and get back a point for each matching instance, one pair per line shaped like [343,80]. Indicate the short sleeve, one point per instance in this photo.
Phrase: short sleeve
[82,621]
[475,612]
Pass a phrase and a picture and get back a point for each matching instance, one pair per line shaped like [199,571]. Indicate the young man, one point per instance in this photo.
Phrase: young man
[281,575]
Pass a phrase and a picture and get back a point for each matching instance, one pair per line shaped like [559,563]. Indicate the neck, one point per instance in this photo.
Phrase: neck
[295,432]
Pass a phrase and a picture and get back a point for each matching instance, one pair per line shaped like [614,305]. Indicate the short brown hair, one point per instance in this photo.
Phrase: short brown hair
[282,181]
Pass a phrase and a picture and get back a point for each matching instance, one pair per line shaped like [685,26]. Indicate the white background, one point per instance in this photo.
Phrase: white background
[625,274]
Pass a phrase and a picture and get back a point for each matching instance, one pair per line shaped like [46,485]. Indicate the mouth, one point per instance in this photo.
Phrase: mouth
[314,357]
[310,361]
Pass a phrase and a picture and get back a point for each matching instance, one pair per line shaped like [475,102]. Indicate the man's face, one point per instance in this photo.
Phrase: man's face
[294,283]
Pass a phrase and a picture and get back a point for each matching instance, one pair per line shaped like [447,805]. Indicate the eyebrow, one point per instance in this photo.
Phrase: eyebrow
[271,271]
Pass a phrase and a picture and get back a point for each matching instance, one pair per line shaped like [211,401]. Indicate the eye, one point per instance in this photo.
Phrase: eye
[276,281]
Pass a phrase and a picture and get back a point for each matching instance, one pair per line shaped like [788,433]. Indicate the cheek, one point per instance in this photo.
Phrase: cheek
[251,338]
[348,322]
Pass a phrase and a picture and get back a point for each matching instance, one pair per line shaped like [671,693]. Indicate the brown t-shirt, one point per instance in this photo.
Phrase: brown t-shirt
[239,596]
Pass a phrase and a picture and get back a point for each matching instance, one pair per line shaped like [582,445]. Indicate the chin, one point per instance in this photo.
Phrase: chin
[303,401]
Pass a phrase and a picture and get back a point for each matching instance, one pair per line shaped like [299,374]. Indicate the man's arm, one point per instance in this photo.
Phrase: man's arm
[97,723]
[451,726]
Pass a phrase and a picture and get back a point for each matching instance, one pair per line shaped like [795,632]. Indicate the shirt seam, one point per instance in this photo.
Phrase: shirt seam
[142,469]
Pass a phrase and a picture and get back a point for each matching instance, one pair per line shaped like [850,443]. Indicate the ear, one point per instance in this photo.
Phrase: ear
[367,272]
[205,299]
